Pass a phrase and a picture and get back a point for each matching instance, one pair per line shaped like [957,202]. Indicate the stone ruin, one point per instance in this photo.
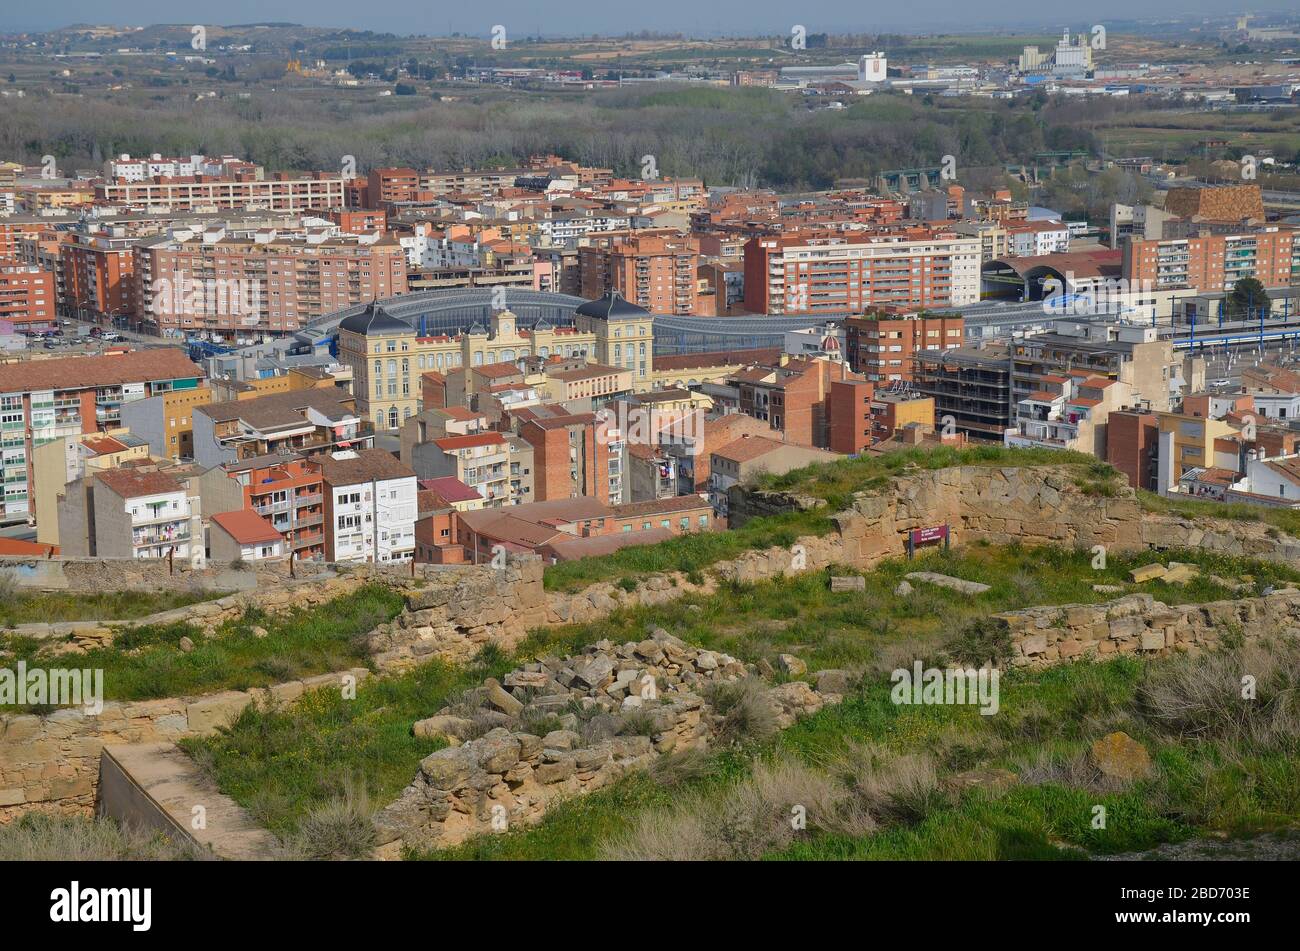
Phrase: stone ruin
[609,710]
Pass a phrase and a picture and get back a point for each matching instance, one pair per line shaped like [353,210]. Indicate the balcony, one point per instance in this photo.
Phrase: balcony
[147,541]
[306,541]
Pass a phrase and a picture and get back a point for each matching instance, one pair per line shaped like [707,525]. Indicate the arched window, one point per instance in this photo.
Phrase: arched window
[392,417]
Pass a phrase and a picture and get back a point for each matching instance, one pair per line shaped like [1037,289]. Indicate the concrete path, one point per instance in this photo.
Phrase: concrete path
[156,786]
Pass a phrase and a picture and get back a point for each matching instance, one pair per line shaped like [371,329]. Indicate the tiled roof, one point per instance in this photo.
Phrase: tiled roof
[247,527]
[281,410]
[748,447]
[364,465]
[75,373]
[470,441]
[132,483]
[450,489]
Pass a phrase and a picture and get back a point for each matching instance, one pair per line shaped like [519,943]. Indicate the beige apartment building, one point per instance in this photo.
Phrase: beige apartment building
[266,284]
[68,458]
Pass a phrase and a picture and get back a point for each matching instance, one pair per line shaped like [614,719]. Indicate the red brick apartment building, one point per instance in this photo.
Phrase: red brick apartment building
[1213,262]
[27,297]
[387,185]
[656,272]
[792,398]
[273,286]
[808,272]
[880,346]
[1132,446]
[97,273]
[569,461]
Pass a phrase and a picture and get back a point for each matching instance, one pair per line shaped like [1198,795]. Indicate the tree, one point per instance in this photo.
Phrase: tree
[1248,300]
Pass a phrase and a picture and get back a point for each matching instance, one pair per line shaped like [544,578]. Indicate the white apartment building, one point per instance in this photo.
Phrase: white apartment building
[370,507]
[131,512]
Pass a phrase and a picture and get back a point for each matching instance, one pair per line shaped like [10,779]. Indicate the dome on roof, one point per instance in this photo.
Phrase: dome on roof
[478,329]
[612,306]
[374,320]
[543,324]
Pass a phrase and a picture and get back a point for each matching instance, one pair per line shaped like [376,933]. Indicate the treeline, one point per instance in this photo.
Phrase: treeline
[748,137]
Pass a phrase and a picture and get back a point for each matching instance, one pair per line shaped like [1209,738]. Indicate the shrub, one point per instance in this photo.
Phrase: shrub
[751,819]
[342,828]
[985,640]
[747,715]
[901,788]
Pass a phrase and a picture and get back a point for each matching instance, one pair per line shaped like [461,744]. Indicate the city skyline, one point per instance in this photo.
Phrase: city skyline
[727,17]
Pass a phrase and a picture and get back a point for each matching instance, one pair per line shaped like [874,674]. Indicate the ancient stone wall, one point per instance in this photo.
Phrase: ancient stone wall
[596,715]
[51,763]
[1139,624]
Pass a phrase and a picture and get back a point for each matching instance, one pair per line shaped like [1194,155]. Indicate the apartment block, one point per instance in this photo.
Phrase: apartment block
[288,493]
[971,389]
[228,286]
[67,459]
[1214,262]
[792,398]
[487,462]
[300,421]
[1132,446]
[45,400]
[98,265]
[317,192]
[166,421]
[133,512]
[882,346]
[27,297]
[798,274]
[575,456]
[656,272]
[1137,355]
[1070,414]
[370,507]
[1191,442]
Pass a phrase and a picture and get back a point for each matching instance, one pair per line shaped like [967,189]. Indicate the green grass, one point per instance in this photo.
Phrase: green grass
[1286,520]
[22,608]
[1195,789]
[836,482]
[282,764]
[147,662]
[800,615]
[687,553]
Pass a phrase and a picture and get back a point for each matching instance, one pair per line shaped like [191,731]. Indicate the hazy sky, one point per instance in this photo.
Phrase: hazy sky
[604,16]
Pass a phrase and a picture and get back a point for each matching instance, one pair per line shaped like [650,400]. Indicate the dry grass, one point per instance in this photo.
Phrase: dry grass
[341,828]
[1205,697]
[783,800]
[41,838]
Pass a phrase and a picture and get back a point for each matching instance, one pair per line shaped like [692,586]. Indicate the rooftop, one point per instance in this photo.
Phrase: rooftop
[363,465]
[76,373]
[246,527]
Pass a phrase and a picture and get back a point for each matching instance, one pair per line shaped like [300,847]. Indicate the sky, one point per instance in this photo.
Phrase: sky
[571,17]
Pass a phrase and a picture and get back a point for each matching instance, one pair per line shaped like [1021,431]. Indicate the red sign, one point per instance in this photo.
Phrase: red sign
[923,536]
